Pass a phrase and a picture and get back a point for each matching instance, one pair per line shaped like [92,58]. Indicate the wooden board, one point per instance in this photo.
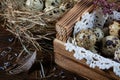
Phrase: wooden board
[66,60]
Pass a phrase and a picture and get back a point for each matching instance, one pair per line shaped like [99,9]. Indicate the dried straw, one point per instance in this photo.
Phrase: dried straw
[20,23]
[26,25]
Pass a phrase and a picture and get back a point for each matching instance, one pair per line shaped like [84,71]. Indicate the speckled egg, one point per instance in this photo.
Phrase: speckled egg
[114,29]
[52,3]
[99,33]
[55,12]
[52,12]
[35,5]
[66,6]
[110,44]
[49,8]
[86,39]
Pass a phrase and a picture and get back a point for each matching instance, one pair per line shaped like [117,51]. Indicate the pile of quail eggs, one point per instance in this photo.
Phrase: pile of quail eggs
[95,38]
[52,8]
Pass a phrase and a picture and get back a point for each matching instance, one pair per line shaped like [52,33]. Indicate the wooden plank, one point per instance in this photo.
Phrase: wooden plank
[77,68]
[78,11]
[60,48]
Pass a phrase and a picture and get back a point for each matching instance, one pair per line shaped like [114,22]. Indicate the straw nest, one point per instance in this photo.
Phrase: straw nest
[28,27]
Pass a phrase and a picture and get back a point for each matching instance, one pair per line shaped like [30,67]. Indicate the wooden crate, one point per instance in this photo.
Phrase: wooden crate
[64,26]
[65,59]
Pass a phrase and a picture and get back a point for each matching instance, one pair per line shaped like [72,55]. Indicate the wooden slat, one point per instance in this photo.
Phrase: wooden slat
[76,12]
[68,14]
[77,68]
[72,12]
[59,48]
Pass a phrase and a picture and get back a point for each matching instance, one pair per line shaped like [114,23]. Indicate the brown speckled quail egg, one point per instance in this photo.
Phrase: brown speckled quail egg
[49,8]
[117,55]
[52,3]
[110,44]
[66,6]
[115,29]
[99,33]
[86,39]
[36,5]
[53,12]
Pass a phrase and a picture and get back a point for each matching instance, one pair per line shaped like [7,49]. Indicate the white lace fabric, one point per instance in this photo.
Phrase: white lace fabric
[89,20]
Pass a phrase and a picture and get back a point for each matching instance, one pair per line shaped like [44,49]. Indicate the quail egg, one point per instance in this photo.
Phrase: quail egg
[117,55]
[52,3]
[110,44]
[66,6]
[49,8]
[86,39]
[36,5]
[56,12]
[52,12]
[115,29]
[99,33]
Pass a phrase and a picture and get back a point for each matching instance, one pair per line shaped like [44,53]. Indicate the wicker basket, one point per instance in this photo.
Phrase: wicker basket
[65,59]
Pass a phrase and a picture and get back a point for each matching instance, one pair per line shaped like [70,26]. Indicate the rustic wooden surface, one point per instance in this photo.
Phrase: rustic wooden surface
[66,60]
